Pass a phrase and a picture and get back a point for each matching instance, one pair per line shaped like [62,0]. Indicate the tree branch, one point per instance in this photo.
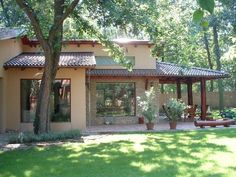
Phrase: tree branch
[34,21]
[59,21]
[113,49]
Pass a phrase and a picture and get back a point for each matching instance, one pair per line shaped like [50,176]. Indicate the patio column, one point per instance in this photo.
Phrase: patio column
[203,99]
[190,93]
[155,84]
[178,89]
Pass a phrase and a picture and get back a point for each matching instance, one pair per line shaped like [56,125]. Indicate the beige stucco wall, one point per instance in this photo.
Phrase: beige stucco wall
[2,127]
[143,60]
[78,99]
[8,49]
[10,83]
[92,119]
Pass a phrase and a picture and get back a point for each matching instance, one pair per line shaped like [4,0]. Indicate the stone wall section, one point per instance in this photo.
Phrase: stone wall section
[211,97]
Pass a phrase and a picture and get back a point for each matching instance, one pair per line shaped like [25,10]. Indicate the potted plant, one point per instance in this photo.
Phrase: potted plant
[174,109]
[147,107]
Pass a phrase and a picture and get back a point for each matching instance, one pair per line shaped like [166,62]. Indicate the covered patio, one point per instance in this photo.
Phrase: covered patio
[168,73]
[173,74]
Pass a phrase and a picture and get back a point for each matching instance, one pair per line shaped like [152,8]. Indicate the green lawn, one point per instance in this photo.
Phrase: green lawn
[185,154]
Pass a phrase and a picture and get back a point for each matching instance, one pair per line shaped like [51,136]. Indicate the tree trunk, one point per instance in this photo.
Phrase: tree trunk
[52,56]
[43,112]
[162,59]
[218,62]
[206,42]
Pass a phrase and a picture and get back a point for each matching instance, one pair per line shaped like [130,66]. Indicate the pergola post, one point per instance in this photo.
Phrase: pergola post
[203,99]
[178,89]
[190,92]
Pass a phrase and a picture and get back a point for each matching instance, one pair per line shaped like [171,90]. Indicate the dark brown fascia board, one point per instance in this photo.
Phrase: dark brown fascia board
[34,43]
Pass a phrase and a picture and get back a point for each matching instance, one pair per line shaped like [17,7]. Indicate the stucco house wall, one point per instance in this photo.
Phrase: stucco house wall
[8,48]
[78,100]
[143,59]
[81,103]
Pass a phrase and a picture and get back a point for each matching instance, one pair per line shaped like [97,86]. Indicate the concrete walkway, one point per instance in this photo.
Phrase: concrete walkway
[137,127]
[162,126]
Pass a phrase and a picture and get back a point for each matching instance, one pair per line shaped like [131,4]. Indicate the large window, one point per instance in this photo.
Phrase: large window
[115,99]
[60,100]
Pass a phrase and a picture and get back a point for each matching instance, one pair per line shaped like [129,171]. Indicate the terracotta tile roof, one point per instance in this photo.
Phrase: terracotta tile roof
[170,69]
[163,69]
[9,33]
[67,59]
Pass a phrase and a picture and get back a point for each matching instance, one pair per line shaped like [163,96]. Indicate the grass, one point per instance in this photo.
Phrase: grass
[204,153]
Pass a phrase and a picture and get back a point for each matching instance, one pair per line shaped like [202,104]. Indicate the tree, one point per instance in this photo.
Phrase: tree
[47,17]
[209,58]
[218,61]
[51,45]
[220,22]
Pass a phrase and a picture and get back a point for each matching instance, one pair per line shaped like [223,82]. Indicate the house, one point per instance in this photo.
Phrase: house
[90,88]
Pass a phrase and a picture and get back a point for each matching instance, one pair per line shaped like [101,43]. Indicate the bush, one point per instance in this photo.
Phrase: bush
[147,105]
[174,109]
[27,137]
[228,114]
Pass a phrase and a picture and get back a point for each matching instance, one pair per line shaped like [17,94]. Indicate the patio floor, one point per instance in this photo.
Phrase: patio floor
[161,126]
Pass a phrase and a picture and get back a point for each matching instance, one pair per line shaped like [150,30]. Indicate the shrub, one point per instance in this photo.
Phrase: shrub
[174,109]
[228,114]
[27,137]
[147,105]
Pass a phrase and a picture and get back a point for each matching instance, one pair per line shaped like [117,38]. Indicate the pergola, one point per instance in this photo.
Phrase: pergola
[168,73]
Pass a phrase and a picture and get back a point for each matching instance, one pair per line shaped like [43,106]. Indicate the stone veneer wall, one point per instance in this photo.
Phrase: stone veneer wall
[91,109]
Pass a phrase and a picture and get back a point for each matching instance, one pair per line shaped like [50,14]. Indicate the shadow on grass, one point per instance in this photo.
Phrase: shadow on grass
[158,154]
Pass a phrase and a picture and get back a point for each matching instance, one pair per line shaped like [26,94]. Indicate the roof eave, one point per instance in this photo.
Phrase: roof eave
[41,67]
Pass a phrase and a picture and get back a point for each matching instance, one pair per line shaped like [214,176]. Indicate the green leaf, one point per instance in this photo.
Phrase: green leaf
[204,24]
[207,5]
[198,15]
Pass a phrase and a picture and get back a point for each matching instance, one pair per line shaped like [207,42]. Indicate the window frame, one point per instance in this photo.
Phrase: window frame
[135,100]
[21,96]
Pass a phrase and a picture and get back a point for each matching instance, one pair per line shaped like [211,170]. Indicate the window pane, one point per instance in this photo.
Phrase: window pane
[115,99]
[29,91]
[60,100]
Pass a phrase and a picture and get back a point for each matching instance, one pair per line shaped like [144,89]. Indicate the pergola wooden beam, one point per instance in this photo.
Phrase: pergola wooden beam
[203,99]
[190,92]
[178,88]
